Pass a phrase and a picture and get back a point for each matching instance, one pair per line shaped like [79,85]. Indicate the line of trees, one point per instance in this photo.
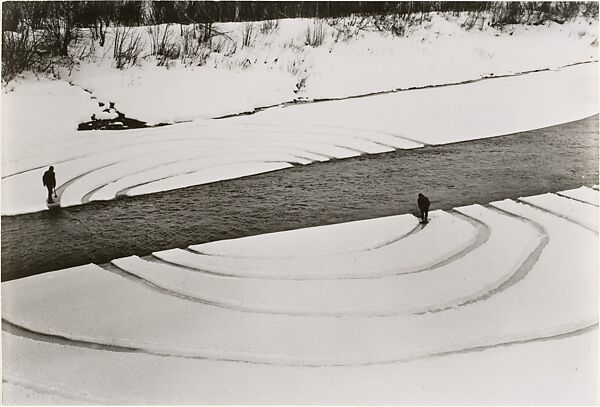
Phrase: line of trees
[134,13]
[37,35]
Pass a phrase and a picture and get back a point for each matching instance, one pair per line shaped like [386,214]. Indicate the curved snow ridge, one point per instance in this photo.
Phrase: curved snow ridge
[578,212]
[101,182]
[163,178]
[47,394]
[369,135]
[443,237]
[376,358]
[558,295]
[103,142]
[214,173]
[159,166]
[458,282]
[524,268]
[149,162]
[179,377]
[360,235]
[85,146]
[583,194]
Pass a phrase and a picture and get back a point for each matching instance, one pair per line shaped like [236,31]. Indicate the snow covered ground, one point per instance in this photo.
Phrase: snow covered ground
[279,65]
[507,315]
[40,115]
[101,165]
[485,304]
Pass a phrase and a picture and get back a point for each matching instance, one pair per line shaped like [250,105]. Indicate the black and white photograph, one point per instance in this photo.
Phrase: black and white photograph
[299,202]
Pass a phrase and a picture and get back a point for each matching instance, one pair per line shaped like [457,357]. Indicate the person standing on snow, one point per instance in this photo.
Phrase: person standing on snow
[423,203]
[49,181]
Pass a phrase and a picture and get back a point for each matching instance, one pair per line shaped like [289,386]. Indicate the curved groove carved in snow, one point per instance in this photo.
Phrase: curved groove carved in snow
[559,295]
[583,194]
[444,236]
[579,213]
[336,238]
[466,279]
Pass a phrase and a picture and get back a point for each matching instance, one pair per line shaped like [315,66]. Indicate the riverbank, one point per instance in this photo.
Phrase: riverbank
[303,316]
[369,186]
[103,165]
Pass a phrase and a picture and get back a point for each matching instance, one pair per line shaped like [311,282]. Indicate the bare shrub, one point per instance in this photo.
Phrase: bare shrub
[401,25]
[248,35]
[346,28]
[59,29]
[195,47]
[218,45]
[474,19]
[269,26]
[315,33]
[533,13]
[127,47]
[293,44]
[294,67]
[21,52]
[590,9]
[162,44]
[98,31]
[231,48]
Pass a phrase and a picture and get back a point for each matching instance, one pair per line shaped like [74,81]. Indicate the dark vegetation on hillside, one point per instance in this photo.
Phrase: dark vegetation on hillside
[39,35]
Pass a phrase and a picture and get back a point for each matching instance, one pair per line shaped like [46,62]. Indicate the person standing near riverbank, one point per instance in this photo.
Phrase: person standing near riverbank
[49,181]
[423,203]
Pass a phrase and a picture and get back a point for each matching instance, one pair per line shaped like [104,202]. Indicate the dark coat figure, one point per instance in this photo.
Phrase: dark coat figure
[423,203]
[49,182]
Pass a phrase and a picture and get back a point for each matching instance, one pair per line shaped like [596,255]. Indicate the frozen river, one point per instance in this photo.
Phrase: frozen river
[545,160]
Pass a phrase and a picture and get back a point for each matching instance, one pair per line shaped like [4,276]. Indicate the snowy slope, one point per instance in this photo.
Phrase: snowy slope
[101,165]
[278,63]
[522,374]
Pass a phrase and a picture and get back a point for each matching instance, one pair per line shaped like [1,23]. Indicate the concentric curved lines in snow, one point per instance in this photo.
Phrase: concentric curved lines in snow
[15,331]
[578,212]
[77,149]
[76,161]
[316,241]
[19,187]
[140,171]
[520,272]
[367,142]
[88,180]
[469,278]
[33,391]
[105,142]
[145,179]
[481,236]
[559,295]
[54,154]
[132,156]
[93,181]
[583,194]
[384,138]
[445,236]
[206,175]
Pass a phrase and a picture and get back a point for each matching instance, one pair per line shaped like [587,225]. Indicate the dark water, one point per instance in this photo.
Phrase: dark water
[545,160]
